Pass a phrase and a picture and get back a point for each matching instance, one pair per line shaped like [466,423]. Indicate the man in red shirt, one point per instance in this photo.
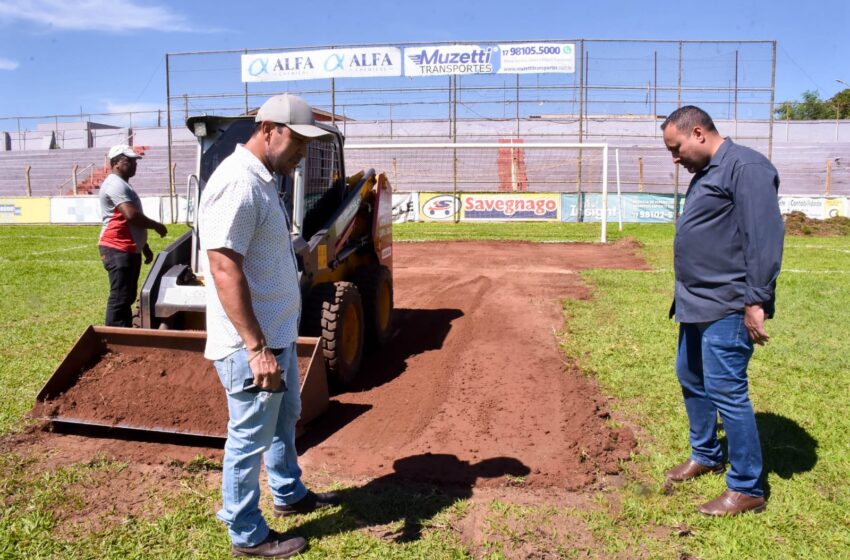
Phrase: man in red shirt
[124,237]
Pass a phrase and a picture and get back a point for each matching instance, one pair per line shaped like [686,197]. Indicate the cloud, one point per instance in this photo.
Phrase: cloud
[143,114]
[6,64]
[114,16]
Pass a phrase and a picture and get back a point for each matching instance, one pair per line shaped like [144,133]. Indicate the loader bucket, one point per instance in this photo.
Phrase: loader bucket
[143,381]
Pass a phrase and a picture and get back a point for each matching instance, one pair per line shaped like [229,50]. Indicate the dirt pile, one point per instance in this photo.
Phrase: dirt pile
[165,389]
[797,223]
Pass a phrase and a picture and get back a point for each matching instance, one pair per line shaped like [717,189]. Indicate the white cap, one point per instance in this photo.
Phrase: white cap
[122,150]
[293,112]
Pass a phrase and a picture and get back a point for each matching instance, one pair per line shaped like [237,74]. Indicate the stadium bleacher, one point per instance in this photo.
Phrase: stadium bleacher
[807,167]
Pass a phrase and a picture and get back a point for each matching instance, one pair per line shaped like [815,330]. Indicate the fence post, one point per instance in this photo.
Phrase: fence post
[640,174]
[828,176]
[173,193]
[74,178]
[27,177]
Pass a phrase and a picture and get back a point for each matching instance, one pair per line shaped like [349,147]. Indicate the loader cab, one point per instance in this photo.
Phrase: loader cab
[173,294]
[309,195]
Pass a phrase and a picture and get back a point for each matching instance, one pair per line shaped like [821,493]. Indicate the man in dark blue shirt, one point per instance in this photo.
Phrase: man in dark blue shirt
[727,256]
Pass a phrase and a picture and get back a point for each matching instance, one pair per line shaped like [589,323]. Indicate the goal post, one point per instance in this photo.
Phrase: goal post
[578,170]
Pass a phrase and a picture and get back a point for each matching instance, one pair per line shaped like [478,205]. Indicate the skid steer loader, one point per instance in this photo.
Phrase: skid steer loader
[341,229]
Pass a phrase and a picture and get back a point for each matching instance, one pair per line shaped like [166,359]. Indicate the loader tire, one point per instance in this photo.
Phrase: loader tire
[334,312]
[376,290]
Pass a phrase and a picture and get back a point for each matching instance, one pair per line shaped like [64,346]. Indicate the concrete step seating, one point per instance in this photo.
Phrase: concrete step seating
[802,170]
[51,170]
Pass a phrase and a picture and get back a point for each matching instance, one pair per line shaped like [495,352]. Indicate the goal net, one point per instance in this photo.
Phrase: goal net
[575,175]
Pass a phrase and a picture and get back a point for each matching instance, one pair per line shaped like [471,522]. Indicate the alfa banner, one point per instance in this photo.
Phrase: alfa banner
[427,60]
[321,64]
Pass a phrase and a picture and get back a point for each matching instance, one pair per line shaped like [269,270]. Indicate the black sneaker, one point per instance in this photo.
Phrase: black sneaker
[275,545]
[311,502]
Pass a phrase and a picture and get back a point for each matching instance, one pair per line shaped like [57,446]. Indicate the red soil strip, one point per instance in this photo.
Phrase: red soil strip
[472,387]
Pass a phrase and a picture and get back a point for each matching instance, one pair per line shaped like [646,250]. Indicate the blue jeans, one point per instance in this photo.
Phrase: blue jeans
[711,364]
[261,424]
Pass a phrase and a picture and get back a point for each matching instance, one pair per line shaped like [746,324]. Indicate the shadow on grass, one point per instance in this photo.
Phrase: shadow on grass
[421,487]
[787,448]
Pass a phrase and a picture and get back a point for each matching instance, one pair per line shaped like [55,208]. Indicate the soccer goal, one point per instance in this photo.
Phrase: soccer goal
[573,176]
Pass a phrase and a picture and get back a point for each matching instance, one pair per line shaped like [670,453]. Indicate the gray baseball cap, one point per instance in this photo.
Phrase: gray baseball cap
[293,112]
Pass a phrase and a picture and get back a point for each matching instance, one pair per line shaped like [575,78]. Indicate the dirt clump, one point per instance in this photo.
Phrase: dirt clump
[798,224]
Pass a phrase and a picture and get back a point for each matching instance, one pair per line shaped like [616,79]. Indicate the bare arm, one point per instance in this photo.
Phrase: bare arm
[137,218]
[232,288]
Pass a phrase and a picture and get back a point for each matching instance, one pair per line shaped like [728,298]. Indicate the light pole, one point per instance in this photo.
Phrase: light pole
[842,82]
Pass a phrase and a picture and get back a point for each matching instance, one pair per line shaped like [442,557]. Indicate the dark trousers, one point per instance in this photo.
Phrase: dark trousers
[123,269]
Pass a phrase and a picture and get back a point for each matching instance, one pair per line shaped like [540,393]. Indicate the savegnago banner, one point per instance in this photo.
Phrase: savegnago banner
[489,206]
[322,64]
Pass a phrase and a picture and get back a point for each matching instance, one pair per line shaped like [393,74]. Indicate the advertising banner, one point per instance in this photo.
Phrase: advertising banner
[445,60]
[812,207]
[405,207]
[537,58]
[76,210]
[24,210]
[438,207]
[816,207]
[637,208]
[322,64]
[510,206]
[835,207]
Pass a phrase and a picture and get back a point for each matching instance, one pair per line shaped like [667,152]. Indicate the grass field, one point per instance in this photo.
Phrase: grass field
[52,285]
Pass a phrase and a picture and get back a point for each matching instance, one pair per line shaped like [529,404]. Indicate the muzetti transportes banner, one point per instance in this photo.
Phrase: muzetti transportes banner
[366,62]
[446,60]
[537,58]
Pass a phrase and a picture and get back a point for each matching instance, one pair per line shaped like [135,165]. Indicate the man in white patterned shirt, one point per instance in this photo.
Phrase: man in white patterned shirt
[253,308]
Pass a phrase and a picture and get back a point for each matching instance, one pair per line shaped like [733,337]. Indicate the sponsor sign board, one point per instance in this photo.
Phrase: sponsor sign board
[445,60]
[637,207]
[76,210]
[405,207]
[537,58]
[24,210]
[813,207]
[321,64]
[835,207]
[510,206]
[816,207]
[438,207]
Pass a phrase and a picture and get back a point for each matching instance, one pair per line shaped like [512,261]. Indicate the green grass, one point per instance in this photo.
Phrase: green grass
[52,285]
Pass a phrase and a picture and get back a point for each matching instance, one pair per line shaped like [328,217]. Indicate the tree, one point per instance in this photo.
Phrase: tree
[812,107]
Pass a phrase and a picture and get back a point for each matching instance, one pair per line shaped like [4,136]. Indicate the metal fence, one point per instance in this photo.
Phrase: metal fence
[614,81]
[619,93]
[612,78]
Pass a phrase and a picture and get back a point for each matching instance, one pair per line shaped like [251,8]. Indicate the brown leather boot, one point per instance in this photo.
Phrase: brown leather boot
[311,502]
[733,503]
[690,469]
[275,545]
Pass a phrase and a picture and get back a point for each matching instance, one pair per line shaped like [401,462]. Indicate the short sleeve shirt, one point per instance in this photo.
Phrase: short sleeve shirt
[117,232]
[240,210]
